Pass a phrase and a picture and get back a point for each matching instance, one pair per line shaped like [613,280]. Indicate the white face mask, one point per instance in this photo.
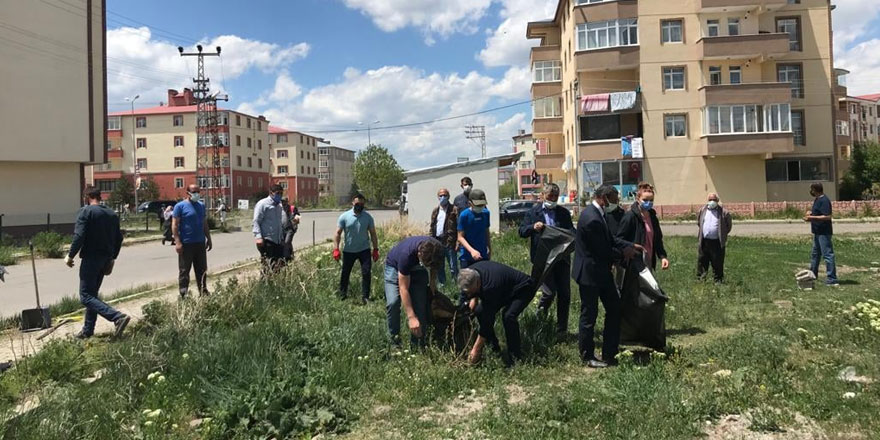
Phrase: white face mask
[712,204]
[195,197]
[477,209]
[611,207]
[549,204]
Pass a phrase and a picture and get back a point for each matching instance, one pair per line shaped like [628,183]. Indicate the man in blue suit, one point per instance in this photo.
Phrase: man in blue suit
[595,247]
[556,283]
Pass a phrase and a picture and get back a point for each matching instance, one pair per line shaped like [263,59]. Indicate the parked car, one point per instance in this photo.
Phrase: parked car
[514,211]
[155,207]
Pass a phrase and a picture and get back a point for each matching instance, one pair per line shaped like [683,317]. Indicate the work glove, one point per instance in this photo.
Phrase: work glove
[375,255]
[336,254]
[68,260]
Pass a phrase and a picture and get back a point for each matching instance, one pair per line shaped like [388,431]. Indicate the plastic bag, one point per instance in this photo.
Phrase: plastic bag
[554,244]
[643,308]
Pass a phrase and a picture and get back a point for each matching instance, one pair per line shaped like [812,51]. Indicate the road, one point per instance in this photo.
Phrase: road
[775,229]
[149,263]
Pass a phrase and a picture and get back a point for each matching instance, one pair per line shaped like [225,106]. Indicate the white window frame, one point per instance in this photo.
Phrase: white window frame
[673,121]
[137,120]
[713,24]
[283,169]
[735,69]
[137,142]
[669,74]
[182,141]
[731,119]
[734,23]
[546,71]
[138,166]
[782,121]
[621,32]
[178,182]
[114,123]
[666,31]
[797,85]
[174,121]
[715,78]
[790,26]
[843,128]
[181,164]
[547,107]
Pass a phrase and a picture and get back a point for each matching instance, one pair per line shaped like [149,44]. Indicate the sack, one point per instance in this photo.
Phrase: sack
[452,326]
[554,244]
[643,308]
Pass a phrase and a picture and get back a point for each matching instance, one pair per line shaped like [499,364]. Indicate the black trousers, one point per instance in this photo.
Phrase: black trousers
[509,319]
[271,256]
[194,256]
[348,259]
[590,296]
[558,284]
[711,252]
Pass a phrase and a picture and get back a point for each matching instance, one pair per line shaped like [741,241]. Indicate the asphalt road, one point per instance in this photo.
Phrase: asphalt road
[149,263]
[774,229]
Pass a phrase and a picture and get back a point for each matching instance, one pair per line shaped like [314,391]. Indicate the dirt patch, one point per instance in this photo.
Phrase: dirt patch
[783,304]
[460,408]
[516,394]
[739,427]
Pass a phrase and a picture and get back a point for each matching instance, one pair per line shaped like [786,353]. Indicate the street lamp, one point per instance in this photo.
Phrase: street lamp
[369,127]
[134,150]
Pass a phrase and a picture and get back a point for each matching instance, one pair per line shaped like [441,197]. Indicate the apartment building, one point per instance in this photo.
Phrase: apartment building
[529,178]
[295,163]
[52,106]
[730,96]
[843,138]
[864,120]
[160,143]
[335,173]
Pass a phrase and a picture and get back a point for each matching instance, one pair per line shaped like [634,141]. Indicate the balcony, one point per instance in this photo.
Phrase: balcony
[552,161]
[603,11]
[544,53]
[746,93]
[741,5]
[605,149]
[747,144]
[114,153]
[544,89]
[754,46]
[546,125]
[114,134]
[609,58]
[107,175]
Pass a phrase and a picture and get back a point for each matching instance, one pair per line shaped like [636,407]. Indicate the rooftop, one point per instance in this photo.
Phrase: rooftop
[873,97]
[502,160]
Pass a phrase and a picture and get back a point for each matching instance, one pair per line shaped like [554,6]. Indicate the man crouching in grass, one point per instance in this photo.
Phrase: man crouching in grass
[411,270]
[498,288]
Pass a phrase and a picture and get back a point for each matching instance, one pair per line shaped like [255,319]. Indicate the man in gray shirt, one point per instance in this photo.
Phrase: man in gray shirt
[268,232]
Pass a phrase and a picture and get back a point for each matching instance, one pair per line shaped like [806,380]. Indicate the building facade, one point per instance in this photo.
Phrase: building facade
[295,163]
[529,178]
[864,118]
[52,107]
[160,144]
[335,172]
[695,96]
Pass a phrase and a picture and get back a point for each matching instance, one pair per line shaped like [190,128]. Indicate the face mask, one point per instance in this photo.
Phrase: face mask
[477,209]
[195,197]
[812,193]
[359,207]
[276,199]
[444,200]
[610,208]
[549,204]
[467,189]
[712,204]
[647,204]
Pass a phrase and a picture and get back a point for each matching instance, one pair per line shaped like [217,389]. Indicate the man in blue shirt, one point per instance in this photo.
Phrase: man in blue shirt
[359,232]
[192,240]
[411,270]
[473,233]
[820,224]
[268,230]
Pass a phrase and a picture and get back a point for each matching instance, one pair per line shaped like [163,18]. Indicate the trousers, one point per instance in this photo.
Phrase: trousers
[590,296]
[557,285]
[418,293]
[91,275]
[195,257]
[348,259]
[711,252]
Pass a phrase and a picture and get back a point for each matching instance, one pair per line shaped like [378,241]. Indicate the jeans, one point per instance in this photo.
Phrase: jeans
[590,296]
[418,294]
[452,261]
[271,257]
[91,275]
[509,319]
[710,251]
[348,259]
[558,284]
[822,246]
[194,256]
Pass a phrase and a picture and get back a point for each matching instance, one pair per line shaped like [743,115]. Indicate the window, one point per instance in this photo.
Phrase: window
[142,142]
[733,26]
[302,169]
[238,161]
[249,143]
[250,182]
[141,164]
[791,73]
[283,184]
[282,169]
[673,78]
[260,163]
[671,31]
[106,185]
[141,122]
[792,27]
[281,154]
[843,128]
[727,119]
[302,154]
[735,74]
[676,125]
[777,118]
[114,123]
[712,28]
[587,2]
[794,2]
[714,75]
[260,125]
[798,170]
[797,127]
[612,33]
[237,140]
[282,138]
[178,141]
[248,122]
[178,162]
[177,121]
[596,128]
[301,139]
[250,162]
[547,108]
[547,71]
[259,144]
[108,146]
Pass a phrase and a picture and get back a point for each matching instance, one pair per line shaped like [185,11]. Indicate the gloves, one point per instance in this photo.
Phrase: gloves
[336,254]
[375,255]
[68,260]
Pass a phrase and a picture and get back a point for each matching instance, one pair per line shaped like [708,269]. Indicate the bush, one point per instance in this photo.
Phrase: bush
[6,256]
[49,244]
[212,223]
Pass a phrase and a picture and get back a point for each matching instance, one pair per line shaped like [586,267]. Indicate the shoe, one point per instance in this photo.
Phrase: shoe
[365,301]
[81,335]
[833,284]
[595,363]
[163,242]
[342,296]
[120,325]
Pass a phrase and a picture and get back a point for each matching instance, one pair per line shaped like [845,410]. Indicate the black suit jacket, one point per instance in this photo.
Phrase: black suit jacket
[632,228]
[535,215]
[594,250]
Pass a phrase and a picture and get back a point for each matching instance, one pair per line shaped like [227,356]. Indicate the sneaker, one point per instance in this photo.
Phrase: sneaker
[120,325]
[81,335]
[832,284]
[595,363]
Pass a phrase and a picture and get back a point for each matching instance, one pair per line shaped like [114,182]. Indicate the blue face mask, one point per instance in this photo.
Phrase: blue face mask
[276,198]
[647,204]
[444,200]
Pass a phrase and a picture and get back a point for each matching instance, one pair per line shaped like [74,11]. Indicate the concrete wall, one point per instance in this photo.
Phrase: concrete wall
[32,189]
[422,190]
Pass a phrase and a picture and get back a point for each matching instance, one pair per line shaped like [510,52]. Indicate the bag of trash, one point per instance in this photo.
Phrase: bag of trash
[554,244]
[643,308]
[452,326]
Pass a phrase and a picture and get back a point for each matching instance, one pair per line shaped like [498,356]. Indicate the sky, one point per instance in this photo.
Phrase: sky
[331,67]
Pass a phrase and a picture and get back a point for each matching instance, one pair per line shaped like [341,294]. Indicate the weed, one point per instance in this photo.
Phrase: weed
[49,244]
[7,256]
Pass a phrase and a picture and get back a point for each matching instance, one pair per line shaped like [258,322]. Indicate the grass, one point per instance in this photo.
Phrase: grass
[284,358]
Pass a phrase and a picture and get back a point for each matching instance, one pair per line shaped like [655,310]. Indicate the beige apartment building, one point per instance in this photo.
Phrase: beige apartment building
[162,144]
[864,120]
[529,178]
[52,107]
[295,163]
[730,96]
[335,173]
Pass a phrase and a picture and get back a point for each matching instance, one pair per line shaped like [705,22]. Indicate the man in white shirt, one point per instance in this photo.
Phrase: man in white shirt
[714,225]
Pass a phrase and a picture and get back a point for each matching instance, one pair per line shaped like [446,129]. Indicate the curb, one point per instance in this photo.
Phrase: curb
[776,221]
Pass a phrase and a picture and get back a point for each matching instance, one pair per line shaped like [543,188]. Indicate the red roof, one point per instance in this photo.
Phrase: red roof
[160,110]
[278,130]
[874,97]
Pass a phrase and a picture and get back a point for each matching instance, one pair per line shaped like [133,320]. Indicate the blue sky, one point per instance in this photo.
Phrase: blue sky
[316,65]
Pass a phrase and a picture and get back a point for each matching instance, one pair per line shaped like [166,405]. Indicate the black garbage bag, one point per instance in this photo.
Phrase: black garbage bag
[643,308]
[453,328]
[554,244]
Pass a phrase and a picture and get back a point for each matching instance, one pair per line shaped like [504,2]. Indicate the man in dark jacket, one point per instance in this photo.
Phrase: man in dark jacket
[97,239]
[444,224]
[714,224]
[462,201]
[594,256]
[557,282]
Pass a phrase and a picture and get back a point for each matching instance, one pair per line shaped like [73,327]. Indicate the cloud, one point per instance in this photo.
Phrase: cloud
[434,18]
[856,45]
[851,19]
[507,44]
[402,95]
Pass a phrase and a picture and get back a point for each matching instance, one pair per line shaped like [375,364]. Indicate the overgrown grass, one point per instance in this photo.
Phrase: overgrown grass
[285,358]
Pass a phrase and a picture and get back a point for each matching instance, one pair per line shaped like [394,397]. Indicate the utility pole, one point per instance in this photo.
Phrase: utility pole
[134,167]
[209,163]
[477,132]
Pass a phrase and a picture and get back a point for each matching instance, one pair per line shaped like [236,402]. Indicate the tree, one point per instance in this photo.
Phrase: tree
[353,191]
[377,174]
[507,191]
[864,172]
[123,192]
[149,190]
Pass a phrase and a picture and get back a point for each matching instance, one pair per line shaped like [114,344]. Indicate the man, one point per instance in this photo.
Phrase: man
[410,276]
[498,288]
[222,209]
[97,239]
[594,256]
[290,219]
[714,224]
[192,240]
[359,230]
[820,224]
[474,239]
[614,214]
[268,230]
[557,283]
[443,228]
[461,201]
